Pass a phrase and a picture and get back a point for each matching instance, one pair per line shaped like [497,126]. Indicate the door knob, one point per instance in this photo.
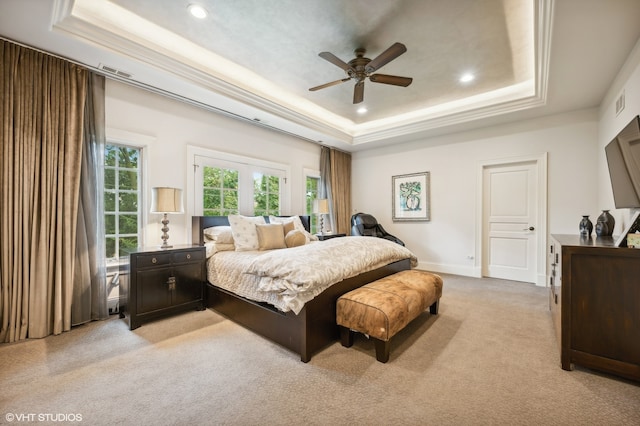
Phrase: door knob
[531,228]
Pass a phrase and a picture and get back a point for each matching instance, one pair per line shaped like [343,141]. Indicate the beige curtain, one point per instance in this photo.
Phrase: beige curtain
[335,185]
[41,116]
[89,286]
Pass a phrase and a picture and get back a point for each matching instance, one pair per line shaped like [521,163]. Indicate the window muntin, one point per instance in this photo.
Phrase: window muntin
[266,194]
[122,199]
[224,187]
[219,191]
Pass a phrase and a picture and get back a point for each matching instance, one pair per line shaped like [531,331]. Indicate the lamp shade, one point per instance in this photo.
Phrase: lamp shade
[321,206]
[166,200]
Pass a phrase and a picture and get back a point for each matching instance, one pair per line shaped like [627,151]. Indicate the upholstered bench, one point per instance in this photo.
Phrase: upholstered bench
[384,307]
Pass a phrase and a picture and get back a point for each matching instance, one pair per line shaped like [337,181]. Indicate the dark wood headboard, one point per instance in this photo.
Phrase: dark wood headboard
[200,223]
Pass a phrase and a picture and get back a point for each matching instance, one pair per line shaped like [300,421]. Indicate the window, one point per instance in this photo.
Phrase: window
[122,199]
[238,186]
[266,194]
[312,186]
[219,191]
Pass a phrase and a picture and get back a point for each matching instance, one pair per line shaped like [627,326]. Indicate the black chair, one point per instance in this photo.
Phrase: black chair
[366,225]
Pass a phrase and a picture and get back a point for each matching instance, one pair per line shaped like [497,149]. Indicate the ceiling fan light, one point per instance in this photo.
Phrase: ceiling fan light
[197,11]
[467,78]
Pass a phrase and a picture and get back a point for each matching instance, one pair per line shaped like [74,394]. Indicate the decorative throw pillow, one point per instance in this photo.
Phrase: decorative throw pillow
[271,236]
[287,226]
[245,235]
[295,238]
[288,221]
[297,224]
[219,234]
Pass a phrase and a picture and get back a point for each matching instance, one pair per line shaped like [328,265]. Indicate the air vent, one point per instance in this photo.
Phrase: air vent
[114,71]
[620,103]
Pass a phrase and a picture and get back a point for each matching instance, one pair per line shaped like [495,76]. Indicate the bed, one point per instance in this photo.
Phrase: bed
[309,330]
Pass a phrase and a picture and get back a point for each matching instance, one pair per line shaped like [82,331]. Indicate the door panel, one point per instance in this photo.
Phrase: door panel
[509,215]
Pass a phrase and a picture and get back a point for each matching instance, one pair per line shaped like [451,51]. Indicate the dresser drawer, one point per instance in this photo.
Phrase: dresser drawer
[153,260]
[188,256]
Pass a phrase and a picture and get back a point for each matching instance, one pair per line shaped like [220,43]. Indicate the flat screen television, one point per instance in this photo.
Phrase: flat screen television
[623,159]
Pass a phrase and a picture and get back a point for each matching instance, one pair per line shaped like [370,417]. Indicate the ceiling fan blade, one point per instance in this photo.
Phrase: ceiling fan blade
[334,60]
[385,57]
[391,79]
[333,83]
[358,92]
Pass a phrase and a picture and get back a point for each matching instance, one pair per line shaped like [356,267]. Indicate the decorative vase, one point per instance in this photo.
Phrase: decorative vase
[586,227]
[605,224]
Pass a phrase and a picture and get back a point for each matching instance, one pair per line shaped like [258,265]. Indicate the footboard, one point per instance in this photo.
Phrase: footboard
[312,329]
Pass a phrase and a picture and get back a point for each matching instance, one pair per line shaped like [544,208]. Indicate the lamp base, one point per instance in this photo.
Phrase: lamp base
[165,232]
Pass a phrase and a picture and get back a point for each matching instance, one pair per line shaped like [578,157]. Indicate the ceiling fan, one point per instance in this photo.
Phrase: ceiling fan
[360,68]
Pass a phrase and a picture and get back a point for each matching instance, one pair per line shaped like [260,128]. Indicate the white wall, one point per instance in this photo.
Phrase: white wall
[168,126]
[578,180]
[627,82]
[444,243]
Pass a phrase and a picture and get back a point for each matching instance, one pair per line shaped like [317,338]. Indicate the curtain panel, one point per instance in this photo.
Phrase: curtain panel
[89,286]
[341,184]
[42,106]
[335,185]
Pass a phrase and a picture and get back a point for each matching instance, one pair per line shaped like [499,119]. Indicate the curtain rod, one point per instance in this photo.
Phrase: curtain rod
[165,93]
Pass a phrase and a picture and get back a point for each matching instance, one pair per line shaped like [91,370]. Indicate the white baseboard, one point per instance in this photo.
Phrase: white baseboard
[466,271]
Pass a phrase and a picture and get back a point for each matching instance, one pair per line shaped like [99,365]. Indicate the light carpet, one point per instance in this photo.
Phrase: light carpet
[490,357]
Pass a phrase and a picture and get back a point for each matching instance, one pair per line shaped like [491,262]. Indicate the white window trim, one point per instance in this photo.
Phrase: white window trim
[194,151]
[144,143]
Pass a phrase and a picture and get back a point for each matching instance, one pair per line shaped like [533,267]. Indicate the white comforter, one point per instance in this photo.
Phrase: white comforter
[299,274]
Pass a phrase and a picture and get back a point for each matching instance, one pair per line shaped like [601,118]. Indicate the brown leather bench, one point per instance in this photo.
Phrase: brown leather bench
[384,307]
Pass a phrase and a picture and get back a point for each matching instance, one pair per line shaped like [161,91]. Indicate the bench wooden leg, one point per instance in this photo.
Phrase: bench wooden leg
[433,309]
[382,349]
[346,337]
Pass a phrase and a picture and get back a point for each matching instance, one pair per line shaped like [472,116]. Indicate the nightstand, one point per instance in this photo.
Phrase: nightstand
[329,236]
[155,283]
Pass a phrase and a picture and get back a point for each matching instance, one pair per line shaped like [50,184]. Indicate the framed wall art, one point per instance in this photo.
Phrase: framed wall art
[411,197]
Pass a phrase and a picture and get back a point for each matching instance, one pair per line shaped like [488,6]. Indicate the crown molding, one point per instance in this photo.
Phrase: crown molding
[121,32]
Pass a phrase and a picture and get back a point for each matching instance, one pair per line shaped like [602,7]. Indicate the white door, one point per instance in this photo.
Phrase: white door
[510,198]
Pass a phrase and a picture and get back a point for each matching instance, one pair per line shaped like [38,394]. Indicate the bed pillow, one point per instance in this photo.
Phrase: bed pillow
[295,238]
[212,247]
[245,235]
[297,224]
[219,234]
[271,236]
[292,222]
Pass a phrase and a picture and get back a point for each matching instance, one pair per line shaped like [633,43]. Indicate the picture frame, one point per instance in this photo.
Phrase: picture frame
[411,197]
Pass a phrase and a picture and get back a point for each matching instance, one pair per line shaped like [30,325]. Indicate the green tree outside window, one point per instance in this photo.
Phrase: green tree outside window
[121,199]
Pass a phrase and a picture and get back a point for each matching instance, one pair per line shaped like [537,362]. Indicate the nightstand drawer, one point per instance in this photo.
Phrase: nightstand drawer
[188,256]
[153,260]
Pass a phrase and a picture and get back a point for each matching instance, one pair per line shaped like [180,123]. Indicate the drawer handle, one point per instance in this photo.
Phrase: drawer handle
[188,255]
[154,260]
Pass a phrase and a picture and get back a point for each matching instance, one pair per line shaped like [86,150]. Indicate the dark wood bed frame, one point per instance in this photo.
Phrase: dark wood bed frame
[306,333]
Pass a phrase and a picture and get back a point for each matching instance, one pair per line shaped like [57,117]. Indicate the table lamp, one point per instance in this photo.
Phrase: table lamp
[166,201]
[321,207]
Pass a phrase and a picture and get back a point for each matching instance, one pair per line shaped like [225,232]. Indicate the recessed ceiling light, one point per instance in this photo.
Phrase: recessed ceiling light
[362,110]
[197,11]
[466,78]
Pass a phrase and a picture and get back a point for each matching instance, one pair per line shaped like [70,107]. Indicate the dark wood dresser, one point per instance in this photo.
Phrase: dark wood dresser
[594,297]
[155,283]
